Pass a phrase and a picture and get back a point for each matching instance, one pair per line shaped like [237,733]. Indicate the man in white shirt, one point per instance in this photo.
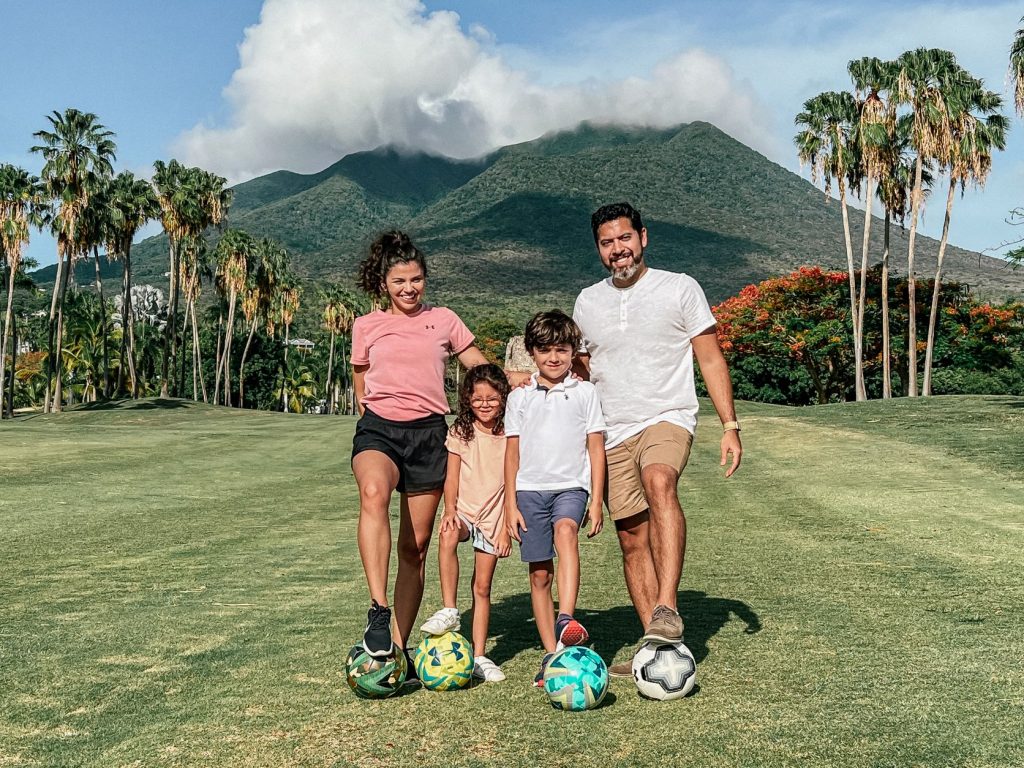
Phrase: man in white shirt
[641,329]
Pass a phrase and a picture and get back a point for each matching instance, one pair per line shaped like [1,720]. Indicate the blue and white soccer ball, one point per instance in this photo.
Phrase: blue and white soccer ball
[664,671]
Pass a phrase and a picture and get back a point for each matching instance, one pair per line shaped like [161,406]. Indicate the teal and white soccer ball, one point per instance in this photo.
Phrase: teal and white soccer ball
[664,671]
[444,662]
[576,679]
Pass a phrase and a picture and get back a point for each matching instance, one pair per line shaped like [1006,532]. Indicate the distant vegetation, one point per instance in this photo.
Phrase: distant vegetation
[505,236]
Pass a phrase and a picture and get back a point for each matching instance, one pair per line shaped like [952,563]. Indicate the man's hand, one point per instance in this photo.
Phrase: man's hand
[517,379]
[731,444]
[596,516]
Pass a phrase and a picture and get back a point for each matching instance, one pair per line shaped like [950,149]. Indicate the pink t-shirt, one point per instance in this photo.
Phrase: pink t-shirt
[407,355]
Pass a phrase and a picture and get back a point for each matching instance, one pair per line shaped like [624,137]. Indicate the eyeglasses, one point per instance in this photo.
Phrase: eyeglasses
[492,401]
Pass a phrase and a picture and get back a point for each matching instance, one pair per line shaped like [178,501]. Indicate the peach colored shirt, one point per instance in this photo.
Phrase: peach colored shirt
[406,355]
[481,480]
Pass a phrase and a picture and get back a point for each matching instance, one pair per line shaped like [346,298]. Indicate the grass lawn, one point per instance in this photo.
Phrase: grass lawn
[181,584]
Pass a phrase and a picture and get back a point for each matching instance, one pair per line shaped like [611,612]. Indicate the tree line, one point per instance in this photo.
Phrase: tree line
[904,125]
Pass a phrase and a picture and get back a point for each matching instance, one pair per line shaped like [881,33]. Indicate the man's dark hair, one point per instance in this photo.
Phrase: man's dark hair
[607,213]
[546,329]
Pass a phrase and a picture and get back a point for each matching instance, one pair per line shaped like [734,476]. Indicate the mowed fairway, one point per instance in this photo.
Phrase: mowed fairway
[181,583]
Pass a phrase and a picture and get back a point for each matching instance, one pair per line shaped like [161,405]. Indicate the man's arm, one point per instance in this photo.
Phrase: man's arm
[716,376]
[581,366]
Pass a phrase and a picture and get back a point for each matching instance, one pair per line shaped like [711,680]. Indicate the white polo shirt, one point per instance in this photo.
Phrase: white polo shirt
[638,339]
[552,427]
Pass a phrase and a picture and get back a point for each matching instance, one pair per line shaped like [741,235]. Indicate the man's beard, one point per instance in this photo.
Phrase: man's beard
[626,273]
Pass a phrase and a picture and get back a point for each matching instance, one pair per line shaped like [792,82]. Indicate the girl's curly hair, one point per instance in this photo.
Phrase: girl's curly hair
[487,373]
[386,251]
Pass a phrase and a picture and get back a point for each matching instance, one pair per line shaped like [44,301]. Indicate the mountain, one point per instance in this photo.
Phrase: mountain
[510,233]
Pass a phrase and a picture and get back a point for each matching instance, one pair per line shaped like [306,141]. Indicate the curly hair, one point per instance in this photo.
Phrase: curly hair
[389,249]
[487,373]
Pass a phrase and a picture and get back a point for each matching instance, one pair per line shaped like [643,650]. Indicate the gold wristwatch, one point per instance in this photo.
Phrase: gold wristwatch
[726,426]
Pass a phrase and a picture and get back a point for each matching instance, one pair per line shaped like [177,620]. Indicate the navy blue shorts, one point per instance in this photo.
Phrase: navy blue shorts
[541,509]
[416,447]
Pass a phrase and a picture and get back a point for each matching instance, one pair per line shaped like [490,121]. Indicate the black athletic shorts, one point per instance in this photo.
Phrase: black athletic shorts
[416,447]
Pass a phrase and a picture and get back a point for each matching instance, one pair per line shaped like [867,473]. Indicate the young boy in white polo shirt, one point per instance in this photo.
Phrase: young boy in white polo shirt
[554,455]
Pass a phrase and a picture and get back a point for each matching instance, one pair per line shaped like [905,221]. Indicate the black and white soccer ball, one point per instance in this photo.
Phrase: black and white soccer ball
[664,671]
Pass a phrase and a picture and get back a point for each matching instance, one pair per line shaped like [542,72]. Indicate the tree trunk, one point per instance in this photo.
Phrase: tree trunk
[14,366]
[198,352]
[329,389]
[861,388]
[125,313]
[12,269]
[915,208]
[218,360]
[926,385]
[344,375]
[228,333]
[858,363]
[51,329]
[241,367]
[886,345]
[103,323]
[169,327]
[58,388]
[284,372]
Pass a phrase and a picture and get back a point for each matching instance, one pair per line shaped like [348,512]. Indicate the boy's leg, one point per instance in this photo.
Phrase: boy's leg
[417,525]
[541,576]
[568,510]
[483,574]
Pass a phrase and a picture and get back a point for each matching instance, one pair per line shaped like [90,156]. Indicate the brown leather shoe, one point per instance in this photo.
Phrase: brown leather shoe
[623,669]
[666,626]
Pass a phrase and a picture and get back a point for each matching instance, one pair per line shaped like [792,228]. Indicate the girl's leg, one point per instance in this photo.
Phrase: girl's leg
[376,476]
[417,525]
[568,548]
[483,573]
[543,606]
[448,564]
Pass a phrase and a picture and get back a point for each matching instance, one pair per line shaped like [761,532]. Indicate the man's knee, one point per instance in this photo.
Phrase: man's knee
[660,486]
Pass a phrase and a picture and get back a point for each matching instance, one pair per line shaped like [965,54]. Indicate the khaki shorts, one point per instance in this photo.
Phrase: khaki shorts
[661,443]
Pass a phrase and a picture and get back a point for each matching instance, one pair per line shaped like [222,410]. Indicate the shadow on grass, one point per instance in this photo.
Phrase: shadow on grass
[157,403]
[613,629]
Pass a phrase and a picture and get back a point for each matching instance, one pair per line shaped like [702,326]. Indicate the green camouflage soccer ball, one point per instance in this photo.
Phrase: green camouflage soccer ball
[370,677]
[444,662]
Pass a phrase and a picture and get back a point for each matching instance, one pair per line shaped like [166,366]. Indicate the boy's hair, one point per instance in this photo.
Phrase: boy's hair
[491,374]
[547,329]
[389,249]
[607,213]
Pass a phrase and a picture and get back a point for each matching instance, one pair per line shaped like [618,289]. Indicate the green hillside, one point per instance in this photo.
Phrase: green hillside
[183,592]
[511,232]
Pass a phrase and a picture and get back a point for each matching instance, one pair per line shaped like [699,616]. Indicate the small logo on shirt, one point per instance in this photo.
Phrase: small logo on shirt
[429,326]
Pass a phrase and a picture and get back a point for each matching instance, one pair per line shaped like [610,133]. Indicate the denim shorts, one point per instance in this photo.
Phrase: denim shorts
[541,509]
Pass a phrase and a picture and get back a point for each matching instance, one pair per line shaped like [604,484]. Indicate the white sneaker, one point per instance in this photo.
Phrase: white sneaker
[445,620]
[487,670]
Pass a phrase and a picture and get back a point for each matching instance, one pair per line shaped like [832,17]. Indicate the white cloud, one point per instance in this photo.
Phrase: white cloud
[319,79]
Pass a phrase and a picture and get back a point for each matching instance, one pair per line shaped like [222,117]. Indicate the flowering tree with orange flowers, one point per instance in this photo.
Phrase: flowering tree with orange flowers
[787,339]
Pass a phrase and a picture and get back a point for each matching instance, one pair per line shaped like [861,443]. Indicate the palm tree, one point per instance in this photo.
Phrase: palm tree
[76,151]
[924,81]
[1017,69]
[977,127]
[338,317]
[234,252]
[826,141]
[132,203]
[288,305]
[270,269]
[21,198]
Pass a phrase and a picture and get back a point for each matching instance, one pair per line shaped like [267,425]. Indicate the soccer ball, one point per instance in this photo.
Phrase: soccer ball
[444,662]
[664,671]
[371,677]
[576,679]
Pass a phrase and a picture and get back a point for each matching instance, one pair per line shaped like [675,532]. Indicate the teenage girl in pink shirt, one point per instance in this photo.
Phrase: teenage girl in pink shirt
[398,361]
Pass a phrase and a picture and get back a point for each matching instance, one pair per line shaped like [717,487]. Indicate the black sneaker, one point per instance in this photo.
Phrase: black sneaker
[377,635]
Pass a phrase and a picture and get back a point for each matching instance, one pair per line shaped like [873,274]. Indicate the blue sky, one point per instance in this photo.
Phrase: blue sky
[246,86]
